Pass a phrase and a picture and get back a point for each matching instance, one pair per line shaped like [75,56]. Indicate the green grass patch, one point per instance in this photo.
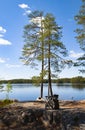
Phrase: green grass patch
[5,102]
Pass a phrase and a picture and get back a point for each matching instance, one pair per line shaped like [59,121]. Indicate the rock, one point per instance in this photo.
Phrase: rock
[57,117]
[1,124]
[27,117]
[40,99]
[17,117]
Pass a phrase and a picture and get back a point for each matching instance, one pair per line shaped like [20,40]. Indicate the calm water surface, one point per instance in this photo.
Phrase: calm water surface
[26,92]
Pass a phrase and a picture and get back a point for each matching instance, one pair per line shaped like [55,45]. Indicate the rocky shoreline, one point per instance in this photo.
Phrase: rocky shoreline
[34,116]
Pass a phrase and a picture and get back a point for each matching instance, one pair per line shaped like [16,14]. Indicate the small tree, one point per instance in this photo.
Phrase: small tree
[8,90]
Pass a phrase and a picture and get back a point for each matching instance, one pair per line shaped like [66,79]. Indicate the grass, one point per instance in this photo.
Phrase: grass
[5,102]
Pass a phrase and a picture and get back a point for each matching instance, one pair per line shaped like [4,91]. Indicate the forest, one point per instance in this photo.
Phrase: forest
[78,79]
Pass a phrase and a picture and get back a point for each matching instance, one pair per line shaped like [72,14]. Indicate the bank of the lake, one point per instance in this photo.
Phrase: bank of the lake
[34,116]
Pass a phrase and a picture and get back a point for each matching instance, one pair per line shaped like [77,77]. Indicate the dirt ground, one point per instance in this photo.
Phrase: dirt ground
[72,104]
[70,116]
[62,103]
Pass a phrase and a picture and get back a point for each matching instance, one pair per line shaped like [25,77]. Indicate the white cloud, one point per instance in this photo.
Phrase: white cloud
[2,60]
[26,8]
[74,54]
[23,6]
[2,30]
[12,66]
[4,42]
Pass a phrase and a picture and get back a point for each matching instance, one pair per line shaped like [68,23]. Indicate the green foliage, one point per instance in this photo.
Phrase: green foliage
[36,80]
[5,102]
[8,87]
[15,81]
[80,19]
[38,36]
[33,46]
[55,50]
[78,82]
[42,38]
[78,79]
[64,80]
[8,90]
[33,49]
[56,80]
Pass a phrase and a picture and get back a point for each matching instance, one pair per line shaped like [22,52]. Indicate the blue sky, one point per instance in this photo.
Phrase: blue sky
[12,20]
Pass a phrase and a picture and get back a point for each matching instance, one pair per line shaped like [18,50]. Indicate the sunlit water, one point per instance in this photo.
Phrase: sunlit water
[26,92]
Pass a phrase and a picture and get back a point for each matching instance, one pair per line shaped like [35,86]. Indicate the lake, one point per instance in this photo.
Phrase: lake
[26,92]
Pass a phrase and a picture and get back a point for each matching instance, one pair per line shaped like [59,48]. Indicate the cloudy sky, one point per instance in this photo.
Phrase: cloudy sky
[12,20]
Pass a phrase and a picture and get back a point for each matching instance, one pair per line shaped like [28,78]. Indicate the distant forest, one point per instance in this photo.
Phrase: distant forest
[78,79]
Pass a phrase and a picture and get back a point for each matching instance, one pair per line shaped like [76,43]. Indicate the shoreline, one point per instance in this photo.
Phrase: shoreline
[34,116]
[41,103]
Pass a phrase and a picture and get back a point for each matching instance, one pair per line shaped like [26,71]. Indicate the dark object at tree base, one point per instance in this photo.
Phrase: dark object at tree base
[52,102]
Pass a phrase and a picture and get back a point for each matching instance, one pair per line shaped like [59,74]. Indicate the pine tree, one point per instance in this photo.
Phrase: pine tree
[54,49]
[33,49]
[80,19]
[43,43]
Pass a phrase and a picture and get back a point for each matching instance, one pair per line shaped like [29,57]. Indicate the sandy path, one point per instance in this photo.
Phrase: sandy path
[63,104]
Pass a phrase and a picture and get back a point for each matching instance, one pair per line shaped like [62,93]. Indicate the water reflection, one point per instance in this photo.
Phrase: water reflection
[78,86]
[66,91]
[73,85]
[64,84]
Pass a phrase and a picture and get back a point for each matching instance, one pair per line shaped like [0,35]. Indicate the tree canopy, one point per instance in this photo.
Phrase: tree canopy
[80,19]
[42,44]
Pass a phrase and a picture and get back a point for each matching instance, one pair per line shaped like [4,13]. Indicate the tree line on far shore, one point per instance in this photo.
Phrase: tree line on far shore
[79,79]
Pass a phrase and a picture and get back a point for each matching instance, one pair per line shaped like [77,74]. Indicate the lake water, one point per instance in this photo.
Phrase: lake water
[26,92]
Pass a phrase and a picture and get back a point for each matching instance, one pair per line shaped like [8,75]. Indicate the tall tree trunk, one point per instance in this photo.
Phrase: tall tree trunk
[42,72]
[50,93]
[42,77]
